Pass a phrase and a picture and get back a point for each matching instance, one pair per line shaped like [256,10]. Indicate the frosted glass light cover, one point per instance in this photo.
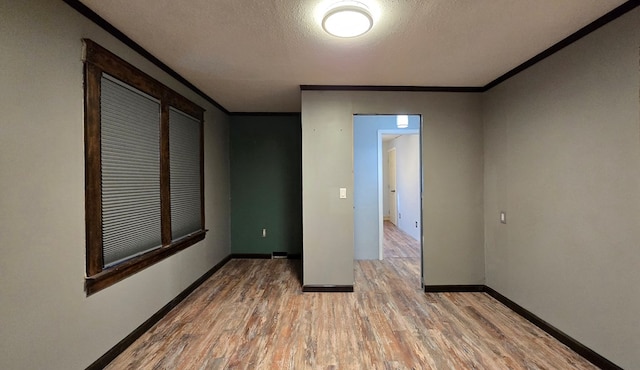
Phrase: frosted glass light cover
[402,121]
[347,19]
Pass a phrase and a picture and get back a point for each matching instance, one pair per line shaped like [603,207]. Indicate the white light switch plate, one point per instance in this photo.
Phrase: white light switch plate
[343,193]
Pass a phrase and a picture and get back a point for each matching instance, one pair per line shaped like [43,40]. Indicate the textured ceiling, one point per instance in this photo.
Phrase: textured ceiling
[252,56]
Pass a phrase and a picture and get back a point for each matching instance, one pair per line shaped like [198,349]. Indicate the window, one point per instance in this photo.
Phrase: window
[143,168]
[184,168]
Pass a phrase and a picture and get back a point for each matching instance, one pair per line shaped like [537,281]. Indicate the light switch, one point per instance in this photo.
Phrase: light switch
[343,193]
[503,217]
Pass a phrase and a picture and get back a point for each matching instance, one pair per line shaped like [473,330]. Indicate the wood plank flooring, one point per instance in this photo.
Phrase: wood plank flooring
[251,314]
[396,243]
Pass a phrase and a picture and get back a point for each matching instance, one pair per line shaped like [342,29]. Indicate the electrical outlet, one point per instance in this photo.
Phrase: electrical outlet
[416,224]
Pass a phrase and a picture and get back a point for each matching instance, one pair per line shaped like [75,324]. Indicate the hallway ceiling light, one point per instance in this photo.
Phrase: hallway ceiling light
[347,19]
[402,121]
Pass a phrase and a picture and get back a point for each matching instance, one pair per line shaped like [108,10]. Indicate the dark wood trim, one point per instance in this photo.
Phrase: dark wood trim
[202,209]
[165,176]
[453,288]
[116,350]
[107,62]
[268,114]
[262,256]
[327,288]
[456,89]
[108,277]
[119,68]
[93,172]
[185,105]
[102,23]
[584,31]
[565,339]
[98,60]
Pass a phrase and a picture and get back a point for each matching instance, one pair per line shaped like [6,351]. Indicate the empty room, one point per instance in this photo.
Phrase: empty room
[205,184]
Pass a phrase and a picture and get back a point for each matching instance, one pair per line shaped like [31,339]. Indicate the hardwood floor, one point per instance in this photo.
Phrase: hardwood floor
[252,315]
[399,244]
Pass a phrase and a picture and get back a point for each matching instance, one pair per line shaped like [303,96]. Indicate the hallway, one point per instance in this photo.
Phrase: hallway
[401,258]
[397,244]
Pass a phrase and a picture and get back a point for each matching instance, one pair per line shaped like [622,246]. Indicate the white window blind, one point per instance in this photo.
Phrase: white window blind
[184,170]
[130,145]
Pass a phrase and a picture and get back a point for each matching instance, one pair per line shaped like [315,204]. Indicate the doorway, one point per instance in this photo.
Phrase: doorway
[387,209]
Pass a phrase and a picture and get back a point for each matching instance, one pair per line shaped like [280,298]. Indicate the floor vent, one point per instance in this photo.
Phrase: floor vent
[275,255]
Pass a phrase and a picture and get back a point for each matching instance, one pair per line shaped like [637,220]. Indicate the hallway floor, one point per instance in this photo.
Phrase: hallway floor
[399,244]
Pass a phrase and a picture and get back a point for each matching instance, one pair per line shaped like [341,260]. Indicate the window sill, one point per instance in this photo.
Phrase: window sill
[112,275]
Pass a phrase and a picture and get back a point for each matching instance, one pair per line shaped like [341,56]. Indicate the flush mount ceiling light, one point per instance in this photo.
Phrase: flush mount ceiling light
[347,19]
[402,121]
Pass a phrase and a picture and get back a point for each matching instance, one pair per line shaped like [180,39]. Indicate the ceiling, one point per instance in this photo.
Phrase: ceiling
[388,137]
[252,56]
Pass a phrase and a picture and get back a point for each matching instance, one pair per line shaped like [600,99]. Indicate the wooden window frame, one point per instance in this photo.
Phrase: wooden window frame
[98,60]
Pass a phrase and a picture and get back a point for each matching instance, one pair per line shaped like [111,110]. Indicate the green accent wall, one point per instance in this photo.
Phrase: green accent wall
[266,184]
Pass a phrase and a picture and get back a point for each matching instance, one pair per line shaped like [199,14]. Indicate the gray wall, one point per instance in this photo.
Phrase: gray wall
[367,221]
[47,322]
[452,202]
[562,158]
